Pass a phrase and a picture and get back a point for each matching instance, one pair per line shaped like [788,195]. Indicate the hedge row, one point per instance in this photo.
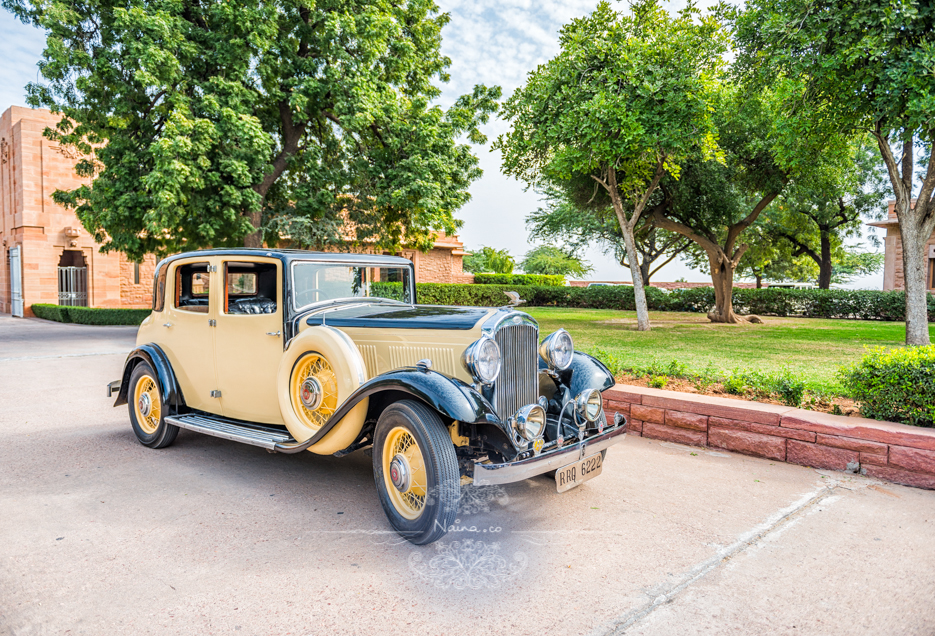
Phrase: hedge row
[90,315]
[813,303]
[548,280]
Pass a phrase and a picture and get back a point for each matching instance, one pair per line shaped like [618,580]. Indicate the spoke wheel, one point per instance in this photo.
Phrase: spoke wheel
[147,409]
[404,473]
[314,390]
[148,404]
[415,470]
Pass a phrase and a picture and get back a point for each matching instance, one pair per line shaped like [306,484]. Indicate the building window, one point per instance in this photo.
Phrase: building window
[932,274]
[136,273]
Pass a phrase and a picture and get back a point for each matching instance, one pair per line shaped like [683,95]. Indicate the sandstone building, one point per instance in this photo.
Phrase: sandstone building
[48,257]
[893,259]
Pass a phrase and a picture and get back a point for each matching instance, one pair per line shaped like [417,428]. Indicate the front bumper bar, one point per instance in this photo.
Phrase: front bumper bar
[492,474]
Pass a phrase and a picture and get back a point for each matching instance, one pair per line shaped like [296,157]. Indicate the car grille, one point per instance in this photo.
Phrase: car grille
[518,383]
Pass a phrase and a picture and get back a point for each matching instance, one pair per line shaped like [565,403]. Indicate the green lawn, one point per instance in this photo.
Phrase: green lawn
[811,348]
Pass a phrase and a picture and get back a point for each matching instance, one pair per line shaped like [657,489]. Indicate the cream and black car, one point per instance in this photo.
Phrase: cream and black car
[298,351]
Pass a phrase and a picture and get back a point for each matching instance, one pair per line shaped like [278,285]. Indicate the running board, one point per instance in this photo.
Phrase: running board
[252,434]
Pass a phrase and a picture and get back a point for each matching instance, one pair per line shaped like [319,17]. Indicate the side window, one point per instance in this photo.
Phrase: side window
[159,289]
[192,287]
[250,288]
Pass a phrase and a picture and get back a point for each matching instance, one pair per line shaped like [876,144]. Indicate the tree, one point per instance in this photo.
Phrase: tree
[618,108]
[547,259]
[206,122]
[865,68]
[579,224]
[817,216]
[488,259]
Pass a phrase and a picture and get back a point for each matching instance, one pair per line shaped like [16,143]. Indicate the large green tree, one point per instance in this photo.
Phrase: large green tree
[865,68]
[207,121]
[714,203]
[817,216]
[619,107]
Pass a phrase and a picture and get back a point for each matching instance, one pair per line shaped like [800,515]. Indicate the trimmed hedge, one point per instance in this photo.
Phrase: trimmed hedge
[58,313]
[547,280]
[812,303]
[895,384]
[90,315]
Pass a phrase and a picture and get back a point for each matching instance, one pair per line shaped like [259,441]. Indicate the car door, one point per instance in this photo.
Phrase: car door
[188,329]
[249,340]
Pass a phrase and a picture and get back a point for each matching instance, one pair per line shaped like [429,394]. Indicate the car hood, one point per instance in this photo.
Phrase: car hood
[380,316]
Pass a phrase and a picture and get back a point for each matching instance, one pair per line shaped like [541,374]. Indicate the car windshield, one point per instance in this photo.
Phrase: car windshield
[318,282]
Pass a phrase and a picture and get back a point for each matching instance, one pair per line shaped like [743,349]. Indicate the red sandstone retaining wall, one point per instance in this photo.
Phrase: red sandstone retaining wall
[886,450]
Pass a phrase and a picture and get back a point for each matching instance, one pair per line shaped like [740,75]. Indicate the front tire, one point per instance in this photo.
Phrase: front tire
[415,469]
[148,409]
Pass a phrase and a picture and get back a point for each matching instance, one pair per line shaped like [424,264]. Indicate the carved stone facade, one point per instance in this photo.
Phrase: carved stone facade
[893,259]
[49,237]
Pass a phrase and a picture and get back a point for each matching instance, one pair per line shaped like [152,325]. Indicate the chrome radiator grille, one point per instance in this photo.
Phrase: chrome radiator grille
[518,383]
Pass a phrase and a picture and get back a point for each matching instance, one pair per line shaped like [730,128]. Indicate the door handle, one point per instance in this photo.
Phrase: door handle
[272,333]
[167,324]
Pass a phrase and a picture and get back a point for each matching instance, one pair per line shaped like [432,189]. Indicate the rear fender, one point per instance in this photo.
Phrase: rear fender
[168,384]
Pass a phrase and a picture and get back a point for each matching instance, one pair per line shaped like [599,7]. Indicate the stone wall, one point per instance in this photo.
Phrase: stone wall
[886,450]
[133,294]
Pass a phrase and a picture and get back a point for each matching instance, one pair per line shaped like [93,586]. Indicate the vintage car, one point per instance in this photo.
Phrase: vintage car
[330,353]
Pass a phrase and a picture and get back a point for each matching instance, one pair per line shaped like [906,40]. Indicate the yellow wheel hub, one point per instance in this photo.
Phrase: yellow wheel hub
[313,390]
[404,473]
[147,404]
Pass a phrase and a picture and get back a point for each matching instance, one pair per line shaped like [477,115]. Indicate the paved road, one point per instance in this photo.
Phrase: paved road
[99,535]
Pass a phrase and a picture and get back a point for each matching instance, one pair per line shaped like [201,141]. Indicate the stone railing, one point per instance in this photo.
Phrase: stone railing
[886,450]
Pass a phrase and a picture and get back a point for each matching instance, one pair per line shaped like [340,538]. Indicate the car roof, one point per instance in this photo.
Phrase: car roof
[299,255]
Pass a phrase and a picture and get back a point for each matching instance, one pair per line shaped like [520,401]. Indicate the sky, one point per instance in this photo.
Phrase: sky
[492,42]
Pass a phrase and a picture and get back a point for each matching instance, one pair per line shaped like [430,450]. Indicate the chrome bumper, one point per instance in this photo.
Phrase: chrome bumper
[491,474]
[113,387]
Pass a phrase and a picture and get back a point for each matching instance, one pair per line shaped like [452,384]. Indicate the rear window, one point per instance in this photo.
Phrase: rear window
[159,288]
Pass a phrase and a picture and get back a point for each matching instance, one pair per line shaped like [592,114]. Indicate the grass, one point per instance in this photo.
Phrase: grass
[810,350]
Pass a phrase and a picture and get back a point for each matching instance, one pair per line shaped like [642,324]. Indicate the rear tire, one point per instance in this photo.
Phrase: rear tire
[415,469]
[148,409]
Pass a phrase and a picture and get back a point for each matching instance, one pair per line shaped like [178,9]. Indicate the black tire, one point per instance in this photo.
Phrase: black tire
[154,433]
[443,487]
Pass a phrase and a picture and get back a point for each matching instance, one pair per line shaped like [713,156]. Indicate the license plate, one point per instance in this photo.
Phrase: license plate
[582,470]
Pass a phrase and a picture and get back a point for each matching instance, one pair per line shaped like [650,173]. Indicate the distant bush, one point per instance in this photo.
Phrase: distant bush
[548,280]
[107,316]
[812,303]
[90,315]
[58,313]
[894,384]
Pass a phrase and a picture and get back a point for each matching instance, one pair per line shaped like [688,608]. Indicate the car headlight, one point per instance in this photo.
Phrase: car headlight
[529,421]
[482,360]
[557,350]
[589,404]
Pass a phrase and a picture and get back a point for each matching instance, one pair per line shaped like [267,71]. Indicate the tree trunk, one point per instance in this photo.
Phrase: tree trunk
[645,264]
[254,239]
[759,281]
[722,275]
[639,293]
[914,241]
[824,266]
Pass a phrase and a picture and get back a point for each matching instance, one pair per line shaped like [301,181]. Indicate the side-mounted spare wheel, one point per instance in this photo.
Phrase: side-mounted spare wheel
[148,408]
[318,372]
[416,471]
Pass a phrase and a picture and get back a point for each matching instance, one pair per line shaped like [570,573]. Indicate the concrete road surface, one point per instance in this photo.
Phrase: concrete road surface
[100,535]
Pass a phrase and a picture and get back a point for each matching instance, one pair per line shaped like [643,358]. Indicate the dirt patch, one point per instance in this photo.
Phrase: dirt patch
[835,406]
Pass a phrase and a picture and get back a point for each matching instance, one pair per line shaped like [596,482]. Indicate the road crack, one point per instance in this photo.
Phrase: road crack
[667,593]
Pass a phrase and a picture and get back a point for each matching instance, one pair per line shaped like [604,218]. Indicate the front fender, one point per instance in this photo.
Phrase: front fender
[451,397]
[157,359]
[584,372]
